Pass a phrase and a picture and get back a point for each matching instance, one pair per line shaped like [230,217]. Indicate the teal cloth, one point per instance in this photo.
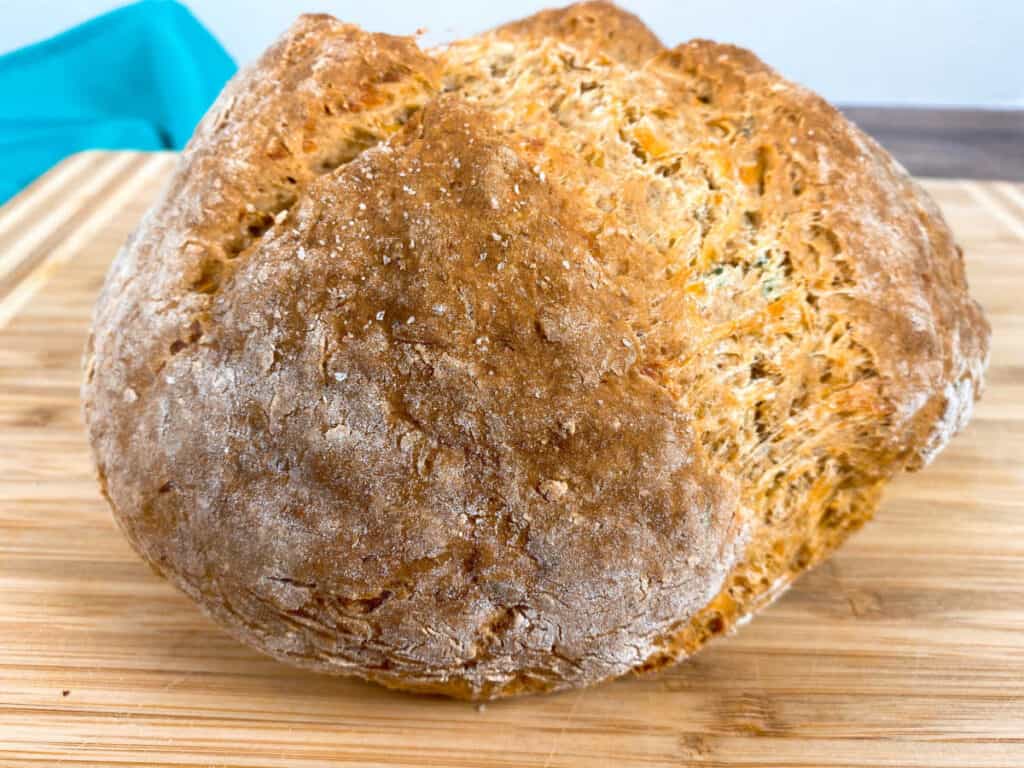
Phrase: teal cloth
[139,77]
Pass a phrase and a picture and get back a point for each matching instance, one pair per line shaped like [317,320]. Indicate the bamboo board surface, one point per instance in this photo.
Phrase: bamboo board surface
[906,649]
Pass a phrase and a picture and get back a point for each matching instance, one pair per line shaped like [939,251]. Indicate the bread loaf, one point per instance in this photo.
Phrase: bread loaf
[520,364]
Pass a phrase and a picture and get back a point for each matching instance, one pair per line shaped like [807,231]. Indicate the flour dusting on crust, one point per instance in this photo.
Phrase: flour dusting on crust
[520,364]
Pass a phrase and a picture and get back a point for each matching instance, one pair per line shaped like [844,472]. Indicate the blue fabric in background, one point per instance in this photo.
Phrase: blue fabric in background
[139,77]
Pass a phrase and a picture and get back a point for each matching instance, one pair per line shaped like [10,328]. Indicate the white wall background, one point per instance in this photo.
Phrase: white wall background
[908,52]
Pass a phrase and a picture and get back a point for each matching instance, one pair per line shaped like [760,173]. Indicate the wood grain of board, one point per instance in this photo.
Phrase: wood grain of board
[906,649]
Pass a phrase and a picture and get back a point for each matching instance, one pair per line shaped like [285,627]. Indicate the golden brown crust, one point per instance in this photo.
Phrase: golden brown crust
[523,364]
[596,29]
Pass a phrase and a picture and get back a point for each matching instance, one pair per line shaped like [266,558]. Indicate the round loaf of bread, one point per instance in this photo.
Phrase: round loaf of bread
[520,364]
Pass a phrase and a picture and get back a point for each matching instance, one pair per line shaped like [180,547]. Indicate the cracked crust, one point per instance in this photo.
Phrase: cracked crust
[523,364]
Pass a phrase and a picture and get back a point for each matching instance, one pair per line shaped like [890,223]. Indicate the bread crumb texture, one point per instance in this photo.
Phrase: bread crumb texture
[520,364]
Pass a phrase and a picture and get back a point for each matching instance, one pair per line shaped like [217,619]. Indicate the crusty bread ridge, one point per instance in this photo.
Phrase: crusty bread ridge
[521,364]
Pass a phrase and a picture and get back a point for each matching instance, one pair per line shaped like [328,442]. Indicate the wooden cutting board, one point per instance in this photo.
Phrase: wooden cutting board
[906,649]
